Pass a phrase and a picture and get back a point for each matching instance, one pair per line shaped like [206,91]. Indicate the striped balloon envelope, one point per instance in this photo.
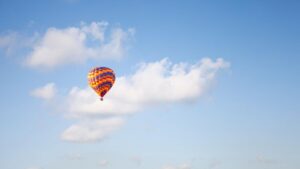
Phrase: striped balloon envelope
[101,79]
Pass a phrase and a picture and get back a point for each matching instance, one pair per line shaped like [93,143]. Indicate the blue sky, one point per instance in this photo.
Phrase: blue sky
[240,110]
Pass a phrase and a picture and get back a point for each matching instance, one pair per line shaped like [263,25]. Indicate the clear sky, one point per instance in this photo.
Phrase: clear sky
[200,84]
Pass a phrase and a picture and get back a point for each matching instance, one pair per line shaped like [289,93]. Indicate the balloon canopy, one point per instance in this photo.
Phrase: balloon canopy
[101,79]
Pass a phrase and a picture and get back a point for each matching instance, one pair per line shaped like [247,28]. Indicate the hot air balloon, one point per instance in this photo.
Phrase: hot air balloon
[101,79]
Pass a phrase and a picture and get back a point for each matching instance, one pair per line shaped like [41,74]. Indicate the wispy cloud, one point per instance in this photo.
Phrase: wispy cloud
[92,130]
[103,163]
[75,156]
[13,43]
[137,160]
[8,42]
[215,164]
[46,92]
[264,160]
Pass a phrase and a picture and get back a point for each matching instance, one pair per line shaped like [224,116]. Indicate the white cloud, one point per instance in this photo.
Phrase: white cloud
[153,83]
[46,92]
[92,130]
[95,29]
[78,44]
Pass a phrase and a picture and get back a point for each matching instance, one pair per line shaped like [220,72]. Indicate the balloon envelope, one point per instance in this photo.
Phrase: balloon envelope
[101,79]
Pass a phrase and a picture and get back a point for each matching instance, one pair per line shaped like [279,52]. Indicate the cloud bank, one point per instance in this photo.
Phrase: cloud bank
[153,83]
